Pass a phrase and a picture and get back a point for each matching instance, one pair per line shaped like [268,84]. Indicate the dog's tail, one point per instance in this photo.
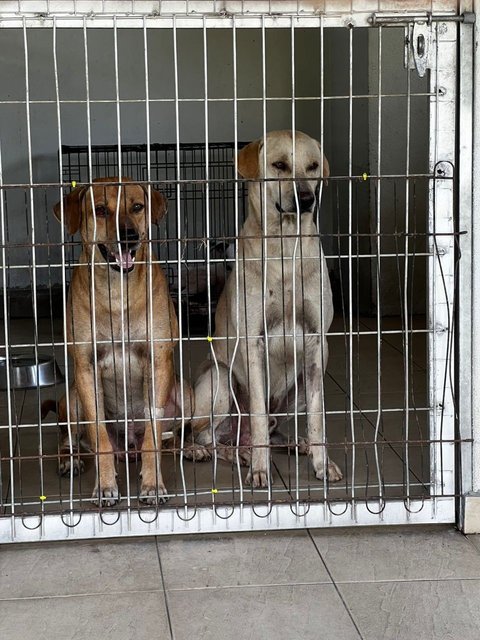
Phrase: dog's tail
[47,406]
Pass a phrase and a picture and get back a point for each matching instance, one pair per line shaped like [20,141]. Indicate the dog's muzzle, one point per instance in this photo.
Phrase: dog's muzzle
[306,201]
[122,256]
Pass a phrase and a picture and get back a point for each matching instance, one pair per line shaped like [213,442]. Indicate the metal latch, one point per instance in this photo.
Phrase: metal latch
[419,32]
[418,47]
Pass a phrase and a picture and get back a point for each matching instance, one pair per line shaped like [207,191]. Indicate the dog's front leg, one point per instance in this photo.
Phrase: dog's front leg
[255,365]
[91,399]
[316,358]
[152,489]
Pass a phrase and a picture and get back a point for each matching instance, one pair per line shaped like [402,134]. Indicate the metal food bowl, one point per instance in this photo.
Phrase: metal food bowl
[26,372]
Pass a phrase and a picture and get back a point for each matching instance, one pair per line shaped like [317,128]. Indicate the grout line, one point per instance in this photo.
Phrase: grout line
[81,595]
[165,595]
[253,585]
[408,580]
[340,595]
[240,586]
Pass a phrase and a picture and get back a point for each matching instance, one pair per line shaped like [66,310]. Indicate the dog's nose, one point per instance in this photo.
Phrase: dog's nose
[128,235]
[306,200]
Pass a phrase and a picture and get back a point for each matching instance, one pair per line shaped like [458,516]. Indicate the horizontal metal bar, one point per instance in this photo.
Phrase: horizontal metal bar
[223,519]
[398,19]
[369,96]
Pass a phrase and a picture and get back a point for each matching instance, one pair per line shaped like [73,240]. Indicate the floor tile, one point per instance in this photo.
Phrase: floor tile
[430,553]
[439,610]
[68,568]
[252,613]
[240,559]
[132,616]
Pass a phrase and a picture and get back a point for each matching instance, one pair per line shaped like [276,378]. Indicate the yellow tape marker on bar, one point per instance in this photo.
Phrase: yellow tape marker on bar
[42,498]
[209,339]
[214,490]
[74,183]
[365,176]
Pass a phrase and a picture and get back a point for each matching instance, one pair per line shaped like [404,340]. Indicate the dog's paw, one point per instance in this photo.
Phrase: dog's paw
[303,448]
[70,465]
[333,473]
[107,496]
[228,452]
[197,452]
[258,479]
[152,495]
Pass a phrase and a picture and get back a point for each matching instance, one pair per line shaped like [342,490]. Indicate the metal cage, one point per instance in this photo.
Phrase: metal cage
[162,85]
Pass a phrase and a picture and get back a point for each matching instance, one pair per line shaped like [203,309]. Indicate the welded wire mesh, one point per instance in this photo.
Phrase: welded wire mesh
[170,109]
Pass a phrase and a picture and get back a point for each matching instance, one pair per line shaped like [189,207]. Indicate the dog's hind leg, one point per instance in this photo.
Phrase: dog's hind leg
[212,406]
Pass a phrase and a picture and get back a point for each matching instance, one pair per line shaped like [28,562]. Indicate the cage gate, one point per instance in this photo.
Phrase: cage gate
[166,93]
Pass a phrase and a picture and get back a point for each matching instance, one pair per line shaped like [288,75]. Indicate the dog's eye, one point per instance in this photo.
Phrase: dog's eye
[101,211]
[281,166]
[137,207]
[313,166]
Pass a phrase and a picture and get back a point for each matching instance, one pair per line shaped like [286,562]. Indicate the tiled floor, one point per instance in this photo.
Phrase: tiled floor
[375,584]
[34,477]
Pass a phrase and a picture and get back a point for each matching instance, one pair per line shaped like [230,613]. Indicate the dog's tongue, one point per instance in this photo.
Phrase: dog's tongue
[124,260]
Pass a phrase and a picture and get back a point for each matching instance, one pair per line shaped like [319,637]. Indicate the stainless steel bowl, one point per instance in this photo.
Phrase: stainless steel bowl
[26,373]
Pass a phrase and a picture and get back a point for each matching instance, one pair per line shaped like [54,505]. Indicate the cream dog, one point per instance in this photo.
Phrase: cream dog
[274,311]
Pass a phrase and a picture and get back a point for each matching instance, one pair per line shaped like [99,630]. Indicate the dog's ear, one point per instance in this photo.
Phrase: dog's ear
[72,209]
[159,204]
[248,160]
[326,168]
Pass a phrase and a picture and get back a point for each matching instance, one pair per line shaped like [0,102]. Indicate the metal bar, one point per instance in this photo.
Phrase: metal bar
[466,276]
[476,263]
[206,520]
[397,19]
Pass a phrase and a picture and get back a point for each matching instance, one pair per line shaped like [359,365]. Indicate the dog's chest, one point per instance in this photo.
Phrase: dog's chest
[122,373]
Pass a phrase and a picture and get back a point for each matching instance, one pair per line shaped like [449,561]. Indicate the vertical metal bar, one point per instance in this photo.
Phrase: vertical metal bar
[33,243]
[443,249]
[93,319]
[179,227]
[350,267]
[378,421]
[237,273]
[322,275]
[476,260]
[208,231]
[265,248]
[406,337]
[149,334]
[294,267]
[11,444]
[64,286]
[122,286]
[467,380]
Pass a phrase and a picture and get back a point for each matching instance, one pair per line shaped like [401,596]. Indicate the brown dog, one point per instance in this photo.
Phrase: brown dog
[114,329]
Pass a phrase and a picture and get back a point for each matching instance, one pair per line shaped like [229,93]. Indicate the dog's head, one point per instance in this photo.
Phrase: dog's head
[293,188]
[112,219]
